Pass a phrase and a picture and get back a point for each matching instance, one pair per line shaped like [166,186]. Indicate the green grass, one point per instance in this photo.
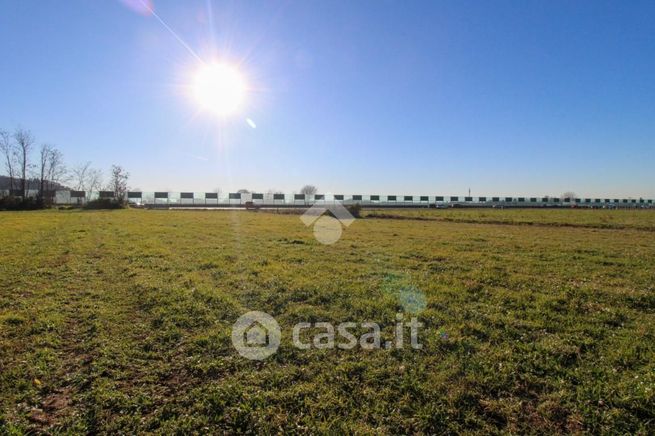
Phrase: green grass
[643,219]
[119,321]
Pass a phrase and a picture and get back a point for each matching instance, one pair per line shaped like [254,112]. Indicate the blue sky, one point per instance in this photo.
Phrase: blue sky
[379,97]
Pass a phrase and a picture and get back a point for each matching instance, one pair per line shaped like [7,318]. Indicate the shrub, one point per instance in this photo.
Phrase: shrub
[19,203]
[104,203]
[355,210]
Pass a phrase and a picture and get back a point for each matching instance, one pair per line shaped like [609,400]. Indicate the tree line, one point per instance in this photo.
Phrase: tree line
[29,166]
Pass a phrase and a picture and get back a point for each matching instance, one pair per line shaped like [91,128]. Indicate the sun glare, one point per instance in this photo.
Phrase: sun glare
[219,88]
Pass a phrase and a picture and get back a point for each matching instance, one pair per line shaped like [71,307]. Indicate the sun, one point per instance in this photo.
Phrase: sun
[219,88]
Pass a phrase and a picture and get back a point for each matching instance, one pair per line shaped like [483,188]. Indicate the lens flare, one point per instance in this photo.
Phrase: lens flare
[219,88]
[143,7]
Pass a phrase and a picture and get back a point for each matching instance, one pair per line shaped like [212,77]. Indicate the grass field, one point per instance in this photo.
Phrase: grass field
[590,218]
[120,322]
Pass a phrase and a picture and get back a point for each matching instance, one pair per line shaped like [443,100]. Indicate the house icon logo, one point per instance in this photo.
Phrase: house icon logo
[328,227]
[256,335]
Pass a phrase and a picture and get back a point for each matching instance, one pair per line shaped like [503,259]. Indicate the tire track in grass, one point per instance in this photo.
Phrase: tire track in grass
[58,409]
[54,311]
[83,301]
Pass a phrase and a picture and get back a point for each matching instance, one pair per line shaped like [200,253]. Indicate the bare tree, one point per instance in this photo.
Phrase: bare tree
[79,176]
[570,195]
[85,178]
[8,156]
[57,172]
[24,143]
[243,191]
[51,169]
[94,179]
[44,162]
[270,194]
[118,182]
[309,190]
